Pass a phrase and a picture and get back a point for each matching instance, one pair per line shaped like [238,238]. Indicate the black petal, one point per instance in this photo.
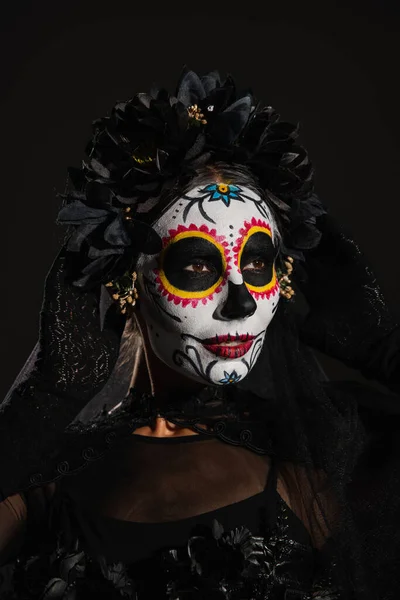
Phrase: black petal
[211,81]
[80,235]
[116,234]
[77,212]
[98,195]
[100,253]
[100,169]
[229,124]
[197,147]
[190,89]
[146,239]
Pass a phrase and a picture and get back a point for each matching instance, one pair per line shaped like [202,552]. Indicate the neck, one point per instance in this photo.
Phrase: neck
[155,377]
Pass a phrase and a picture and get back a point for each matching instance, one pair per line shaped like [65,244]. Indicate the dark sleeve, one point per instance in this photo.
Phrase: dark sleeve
[383,361]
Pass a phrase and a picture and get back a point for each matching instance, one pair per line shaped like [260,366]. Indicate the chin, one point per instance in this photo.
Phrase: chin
[193,360]
[212,371]
[230,372]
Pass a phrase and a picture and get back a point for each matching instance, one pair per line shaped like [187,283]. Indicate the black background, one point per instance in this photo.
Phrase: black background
[332,67]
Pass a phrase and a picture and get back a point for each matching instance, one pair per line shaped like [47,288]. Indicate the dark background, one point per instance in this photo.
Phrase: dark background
[332,67]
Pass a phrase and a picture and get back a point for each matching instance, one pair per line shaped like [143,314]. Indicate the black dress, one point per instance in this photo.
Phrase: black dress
[185,517]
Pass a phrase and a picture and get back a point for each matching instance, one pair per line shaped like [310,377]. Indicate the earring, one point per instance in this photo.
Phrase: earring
[123,290]
[286,290]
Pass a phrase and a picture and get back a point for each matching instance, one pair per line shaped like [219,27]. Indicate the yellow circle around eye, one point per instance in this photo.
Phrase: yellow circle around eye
[223,188]
[184,293]
[270,284]
[263,288]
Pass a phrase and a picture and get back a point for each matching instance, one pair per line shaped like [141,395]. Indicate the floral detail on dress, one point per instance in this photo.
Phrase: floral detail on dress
[236,565]
[214,565]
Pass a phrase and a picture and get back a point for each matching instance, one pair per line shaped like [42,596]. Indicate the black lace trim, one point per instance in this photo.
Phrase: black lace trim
[215,412]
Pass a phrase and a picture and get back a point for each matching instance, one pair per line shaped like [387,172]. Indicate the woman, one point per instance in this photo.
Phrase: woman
[186,442]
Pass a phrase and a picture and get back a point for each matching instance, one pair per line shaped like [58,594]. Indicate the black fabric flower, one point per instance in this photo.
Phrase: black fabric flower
[221,556]
[214,565]
[234,565]
[67,575]
[111,238]
[156,138]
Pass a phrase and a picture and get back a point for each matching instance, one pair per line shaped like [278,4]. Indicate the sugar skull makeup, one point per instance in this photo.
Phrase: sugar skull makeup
[211,293]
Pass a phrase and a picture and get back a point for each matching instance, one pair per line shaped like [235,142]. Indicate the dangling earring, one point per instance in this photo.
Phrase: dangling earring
[123,290]
[286,290]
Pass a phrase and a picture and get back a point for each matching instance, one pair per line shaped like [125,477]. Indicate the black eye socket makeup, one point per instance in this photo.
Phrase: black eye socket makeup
[187,252]
[259,248]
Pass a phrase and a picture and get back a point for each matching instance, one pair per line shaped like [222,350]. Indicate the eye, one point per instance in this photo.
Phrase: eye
[198,267]
[258,264]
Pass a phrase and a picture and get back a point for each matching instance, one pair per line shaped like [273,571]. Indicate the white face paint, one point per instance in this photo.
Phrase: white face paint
[211,293]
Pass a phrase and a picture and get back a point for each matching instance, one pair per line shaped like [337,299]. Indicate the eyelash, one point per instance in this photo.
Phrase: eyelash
[198,264]
[254,260]
[211,267]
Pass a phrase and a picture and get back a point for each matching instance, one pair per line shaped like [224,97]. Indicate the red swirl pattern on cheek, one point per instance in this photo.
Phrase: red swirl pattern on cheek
[186,298]
[248,229]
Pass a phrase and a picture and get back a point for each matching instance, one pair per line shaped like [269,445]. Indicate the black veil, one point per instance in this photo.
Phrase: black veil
[337,444]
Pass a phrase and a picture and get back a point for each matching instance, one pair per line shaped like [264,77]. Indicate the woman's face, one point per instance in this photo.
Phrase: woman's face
[211,293]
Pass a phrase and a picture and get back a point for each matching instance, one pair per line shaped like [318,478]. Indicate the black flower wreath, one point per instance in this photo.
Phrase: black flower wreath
[157,137]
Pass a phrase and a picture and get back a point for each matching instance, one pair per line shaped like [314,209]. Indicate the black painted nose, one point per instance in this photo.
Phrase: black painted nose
[239,304]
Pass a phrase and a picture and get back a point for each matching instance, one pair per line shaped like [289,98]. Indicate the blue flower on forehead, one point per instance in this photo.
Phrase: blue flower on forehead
[230,377]
[222,191]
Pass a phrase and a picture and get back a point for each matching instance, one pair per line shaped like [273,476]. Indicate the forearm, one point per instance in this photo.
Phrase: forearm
[13,516]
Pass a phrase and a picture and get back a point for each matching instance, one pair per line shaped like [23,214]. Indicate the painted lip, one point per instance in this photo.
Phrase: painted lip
[217,346]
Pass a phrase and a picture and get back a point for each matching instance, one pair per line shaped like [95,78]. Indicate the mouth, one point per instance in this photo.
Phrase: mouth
[229,346]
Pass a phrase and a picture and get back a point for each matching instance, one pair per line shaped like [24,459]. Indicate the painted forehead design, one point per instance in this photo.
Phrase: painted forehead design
[227,195]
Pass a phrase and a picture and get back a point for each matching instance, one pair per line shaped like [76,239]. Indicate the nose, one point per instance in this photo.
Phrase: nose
[238,305]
